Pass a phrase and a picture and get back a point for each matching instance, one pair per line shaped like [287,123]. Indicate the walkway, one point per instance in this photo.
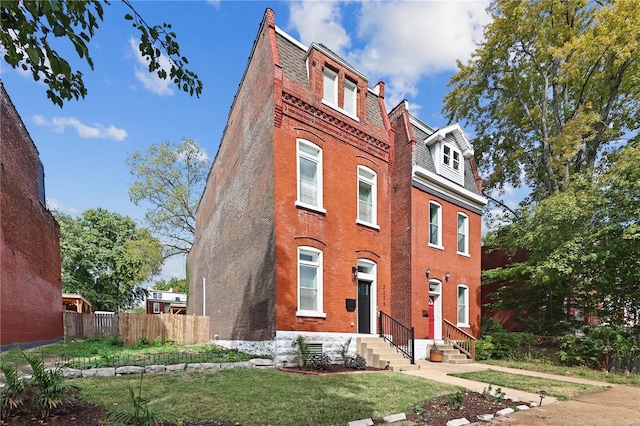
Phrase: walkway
[618,405]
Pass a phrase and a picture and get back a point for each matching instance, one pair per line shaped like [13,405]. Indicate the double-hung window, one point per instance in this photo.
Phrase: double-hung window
[435,224]
[463,306]
[156,307]
[350,97]
[309,282]
[367,182]
[309,175]
[451,157]
[330,87]
[463,234]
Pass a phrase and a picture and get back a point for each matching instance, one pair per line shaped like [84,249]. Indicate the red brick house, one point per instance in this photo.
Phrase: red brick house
[30,280]
[295,229]
[166,302]
[436,208]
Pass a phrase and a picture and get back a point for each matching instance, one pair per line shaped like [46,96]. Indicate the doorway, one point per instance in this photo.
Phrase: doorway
[435,310]
[367,287]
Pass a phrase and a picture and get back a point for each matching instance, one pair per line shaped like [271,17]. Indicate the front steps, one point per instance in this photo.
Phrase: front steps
[452,355]
[379,354]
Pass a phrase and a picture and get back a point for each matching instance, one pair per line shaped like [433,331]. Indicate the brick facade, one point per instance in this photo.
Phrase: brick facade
[245,265]
[30,280]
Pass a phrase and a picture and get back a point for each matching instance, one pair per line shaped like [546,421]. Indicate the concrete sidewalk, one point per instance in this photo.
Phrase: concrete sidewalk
[439,371]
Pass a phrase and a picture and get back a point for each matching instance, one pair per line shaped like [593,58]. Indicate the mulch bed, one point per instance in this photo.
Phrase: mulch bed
[332,369]
[439,411]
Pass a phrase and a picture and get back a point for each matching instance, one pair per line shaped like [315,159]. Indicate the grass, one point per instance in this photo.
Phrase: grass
[545,366]
[259,397]
[556,388]
[109,352]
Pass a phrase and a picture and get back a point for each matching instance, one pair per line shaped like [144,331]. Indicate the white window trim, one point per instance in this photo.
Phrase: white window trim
[318,161]
[330,75]
[460,158]
[466,307]
[351,87]
[439,245]
[156,307]
[374,197]
[466,235]
[306,312]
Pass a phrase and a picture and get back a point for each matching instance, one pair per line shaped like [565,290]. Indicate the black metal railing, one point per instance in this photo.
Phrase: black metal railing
[400,336]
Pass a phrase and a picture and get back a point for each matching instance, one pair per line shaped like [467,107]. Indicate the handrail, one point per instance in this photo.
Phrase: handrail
[460,339]
[400,336]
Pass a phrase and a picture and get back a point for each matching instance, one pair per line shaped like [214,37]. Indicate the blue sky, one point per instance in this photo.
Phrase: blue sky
[410,45]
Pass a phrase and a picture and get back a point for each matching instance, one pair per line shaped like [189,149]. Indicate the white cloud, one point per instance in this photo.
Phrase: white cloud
[151,81]
[95,130]
[401,41]
[55,205]
[319,22]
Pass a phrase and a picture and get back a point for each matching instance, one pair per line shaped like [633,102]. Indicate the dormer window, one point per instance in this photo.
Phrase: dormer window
[451,157]
[330,88]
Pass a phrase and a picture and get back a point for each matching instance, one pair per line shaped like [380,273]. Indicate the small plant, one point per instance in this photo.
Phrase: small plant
[303,349]
[12,393]
[456,400]
[496,396]
[135,411]
[115,341]
[157,342]
[51,387]
[143,341]
[356,361]
[318,362]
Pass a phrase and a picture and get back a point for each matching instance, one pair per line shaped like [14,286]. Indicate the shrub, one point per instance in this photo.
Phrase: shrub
[135,411]
[12,393]
[157,342]
[318,362]
[484,349]
[115,341]
[51,387]
[490,325]
[355,361]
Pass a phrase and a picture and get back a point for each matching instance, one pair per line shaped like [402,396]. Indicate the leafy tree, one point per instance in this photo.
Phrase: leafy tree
[583,248]
[32,30]
[106,258]
[179,285]
[553,86]
[170,178]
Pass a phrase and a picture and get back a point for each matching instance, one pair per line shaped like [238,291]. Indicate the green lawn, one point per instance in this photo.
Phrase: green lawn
[582,372]
[109,352]
[259,397]
[555,388]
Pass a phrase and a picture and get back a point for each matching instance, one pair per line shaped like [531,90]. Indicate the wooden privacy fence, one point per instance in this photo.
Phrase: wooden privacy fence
[181,329]
[83,326]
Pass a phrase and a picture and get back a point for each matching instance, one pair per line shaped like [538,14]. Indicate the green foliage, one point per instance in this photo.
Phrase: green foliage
[505,345]
[489,325]
[484,349]
[12,394]
[169,178]
[157,341]
[134,411]
[115,340]
[356,361]
[31,34]
[491,395]
[604,347]
[51,387]
[302,345]
[175,284]
[142,341]
[455,400]
[318,362]
[106,258]
[551,87]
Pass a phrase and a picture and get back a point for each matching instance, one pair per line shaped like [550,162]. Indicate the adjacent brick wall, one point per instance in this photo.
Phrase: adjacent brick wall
[234,246]
[31,289]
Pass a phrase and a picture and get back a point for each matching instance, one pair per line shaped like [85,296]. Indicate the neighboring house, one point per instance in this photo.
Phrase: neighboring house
[76,303]
[166,302]
[296,229]
[436,208]
[30,277]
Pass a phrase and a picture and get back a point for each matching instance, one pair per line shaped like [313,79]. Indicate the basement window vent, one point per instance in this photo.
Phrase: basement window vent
[315,348]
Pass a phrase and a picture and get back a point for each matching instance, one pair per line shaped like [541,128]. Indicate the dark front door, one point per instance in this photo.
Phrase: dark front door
[364,307]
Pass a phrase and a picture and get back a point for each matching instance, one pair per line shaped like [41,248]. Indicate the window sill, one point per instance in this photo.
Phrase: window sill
[436,246]
[463,254]
[306,206]
[340,110]
[463,326]
[367,224]
[312,314]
